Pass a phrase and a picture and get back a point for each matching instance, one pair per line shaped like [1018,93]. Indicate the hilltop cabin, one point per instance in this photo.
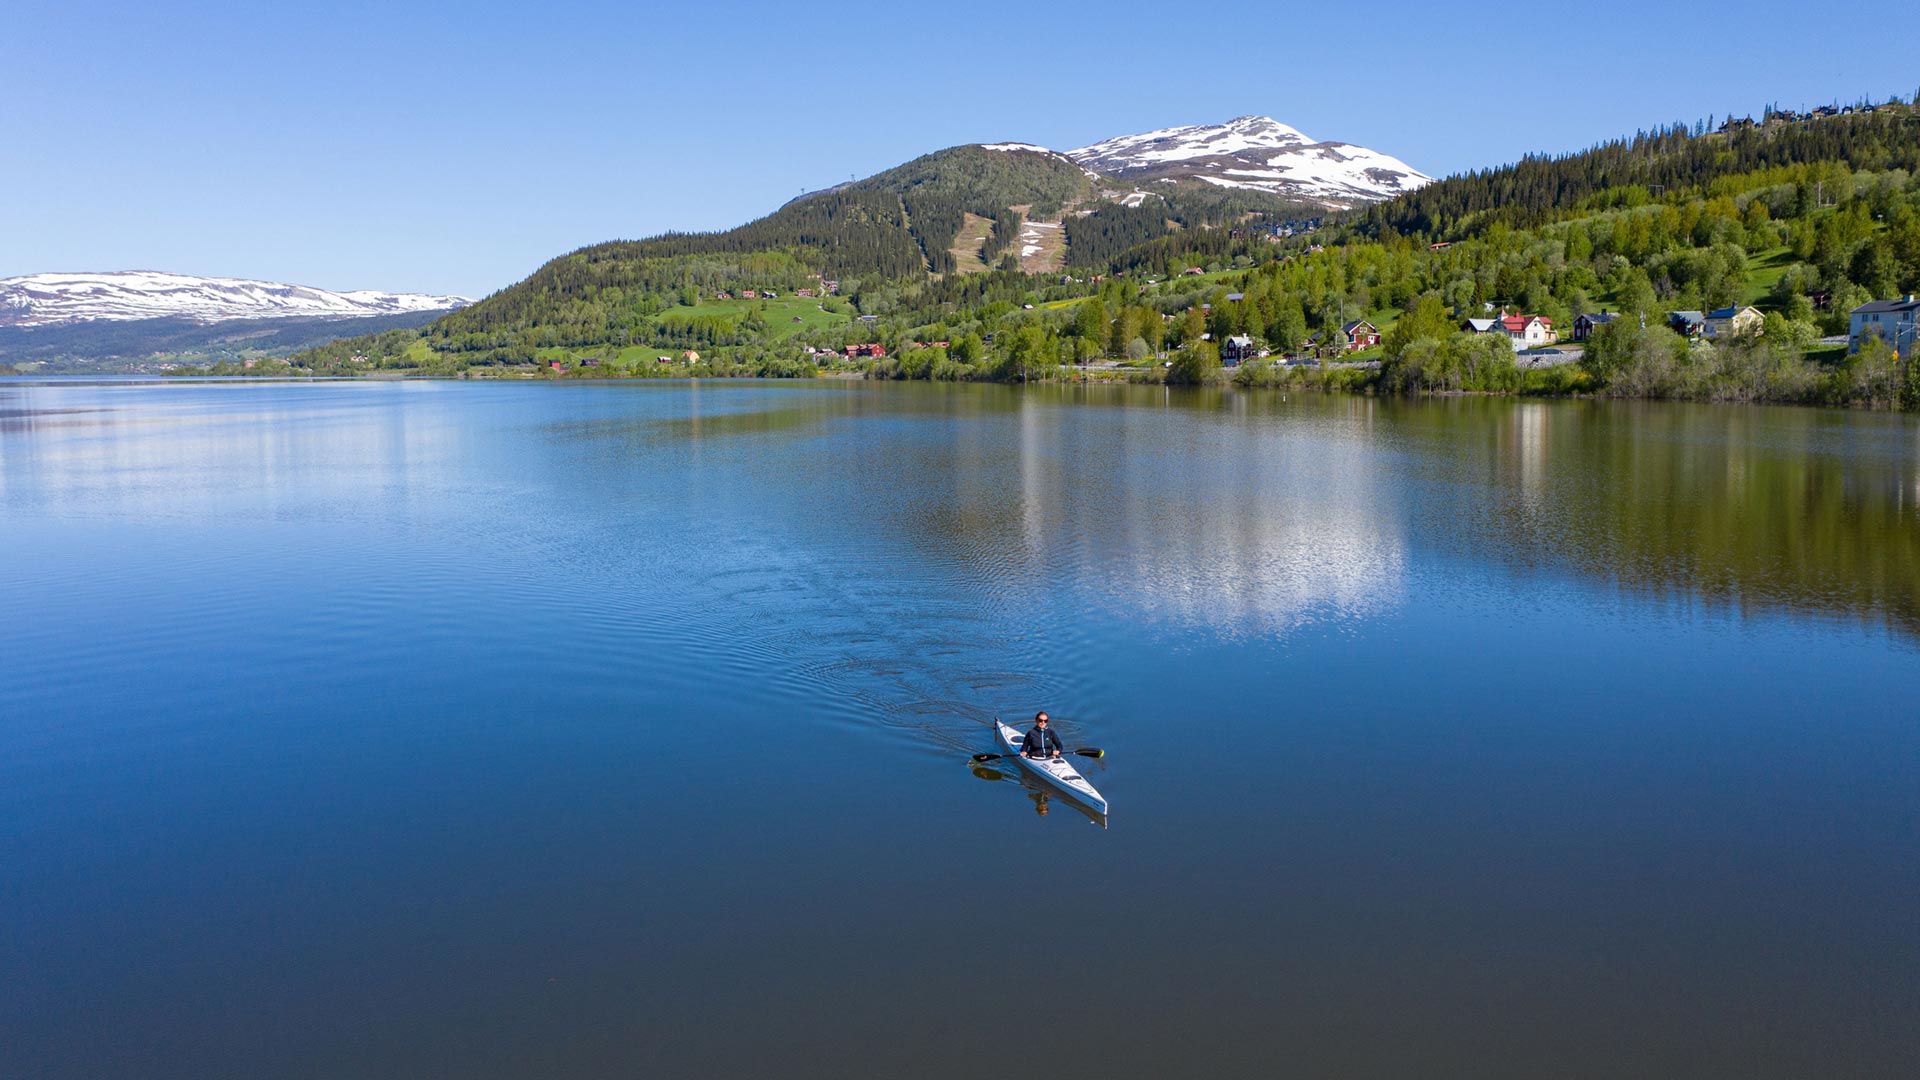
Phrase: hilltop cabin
[1525,331]
[1237,348]
[1688,324]
[1361,334]
[590,362]
[1586,323]
[1193,271]
[690,356]
[749,294]
[858,352]
[1733,322]
[1897,322]
[663,359]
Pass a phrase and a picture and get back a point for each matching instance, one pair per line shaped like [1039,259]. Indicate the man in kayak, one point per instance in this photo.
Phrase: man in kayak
[1040,742]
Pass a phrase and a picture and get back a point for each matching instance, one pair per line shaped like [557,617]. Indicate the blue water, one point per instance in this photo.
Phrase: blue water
[469,730]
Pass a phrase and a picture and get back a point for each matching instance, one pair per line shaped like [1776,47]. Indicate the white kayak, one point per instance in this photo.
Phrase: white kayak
[1056,772]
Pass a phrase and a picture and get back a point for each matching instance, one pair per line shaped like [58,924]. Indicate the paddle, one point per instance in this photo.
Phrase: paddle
[1085,751]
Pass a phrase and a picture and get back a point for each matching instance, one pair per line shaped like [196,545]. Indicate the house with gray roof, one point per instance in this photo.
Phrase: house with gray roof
[1897,322]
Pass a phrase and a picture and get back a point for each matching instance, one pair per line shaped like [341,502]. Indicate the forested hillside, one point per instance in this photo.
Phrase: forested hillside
[1664,162]
[1804,220]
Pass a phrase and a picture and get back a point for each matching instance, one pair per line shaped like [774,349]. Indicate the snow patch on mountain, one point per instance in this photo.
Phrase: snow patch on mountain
[1259,153]
[54,299]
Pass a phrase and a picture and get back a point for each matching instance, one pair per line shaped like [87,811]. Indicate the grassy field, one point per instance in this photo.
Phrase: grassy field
[974,231]
[780,313]
[1763,270]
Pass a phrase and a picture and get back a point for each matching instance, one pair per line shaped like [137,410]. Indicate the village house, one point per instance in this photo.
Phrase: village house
[1361,334]
[1526,331]
[1897,322]
[1239,347]
[749,294]
[805,293]
[1733,322]
[1688,324]
[690,356]
[857,352]
[1586,323]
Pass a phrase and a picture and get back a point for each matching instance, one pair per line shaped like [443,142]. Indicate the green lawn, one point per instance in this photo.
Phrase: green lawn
[1764,269]
[780,313]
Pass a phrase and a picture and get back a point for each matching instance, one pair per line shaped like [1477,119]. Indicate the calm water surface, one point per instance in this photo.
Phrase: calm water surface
[444,730]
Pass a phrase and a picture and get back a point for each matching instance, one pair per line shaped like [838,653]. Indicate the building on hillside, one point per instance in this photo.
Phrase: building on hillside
[1586,323]
[805,294]
[1525,331]
[1821,299]
[863,352]
[1235,297]
[1897,322]
[1733,321]
[1239,347]
[590,362]
[1361,334]
[690,356]
[1193,270]
[1688,324]
[749,294]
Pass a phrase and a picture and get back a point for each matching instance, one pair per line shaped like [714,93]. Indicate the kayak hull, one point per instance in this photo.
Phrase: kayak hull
[1057,773]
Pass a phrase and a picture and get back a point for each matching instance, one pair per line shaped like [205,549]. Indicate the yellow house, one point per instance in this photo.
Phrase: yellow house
[1734,322]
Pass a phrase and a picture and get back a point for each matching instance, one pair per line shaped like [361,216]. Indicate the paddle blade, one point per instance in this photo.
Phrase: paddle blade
[986,757]
[1091,751]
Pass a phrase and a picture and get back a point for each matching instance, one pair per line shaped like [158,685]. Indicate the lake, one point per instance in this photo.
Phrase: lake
[438,729]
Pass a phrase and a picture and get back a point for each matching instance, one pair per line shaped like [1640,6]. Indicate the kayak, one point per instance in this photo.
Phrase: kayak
[1056,772]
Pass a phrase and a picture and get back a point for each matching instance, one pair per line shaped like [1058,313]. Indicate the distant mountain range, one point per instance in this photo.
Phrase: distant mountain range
[1258,153]
[133,320]
[39,300]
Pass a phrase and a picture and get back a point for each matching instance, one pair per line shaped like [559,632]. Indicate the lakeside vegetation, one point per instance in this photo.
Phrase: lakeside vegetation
[1802,219]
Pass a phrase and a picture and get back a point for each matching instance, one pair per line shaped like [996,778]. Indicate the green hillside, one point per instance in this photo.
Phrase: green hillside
[1803,218]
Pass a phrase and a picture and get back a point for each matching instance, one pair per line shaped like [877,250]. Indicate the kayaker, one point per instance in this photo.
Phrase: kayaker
[1041,742]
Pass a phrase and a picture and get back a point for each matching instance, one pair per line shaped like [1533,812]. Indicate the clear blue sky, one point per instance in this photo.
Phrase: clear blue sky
[455,148]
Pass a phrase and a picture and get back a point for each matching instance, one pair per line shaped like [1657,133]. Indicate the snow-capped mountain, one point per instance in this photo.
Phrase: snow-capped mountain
[1254,152]
[57,299]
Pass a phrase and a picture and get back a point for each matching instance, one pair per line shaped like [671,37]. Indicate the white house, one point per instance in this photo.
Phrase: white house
[1526,331]
[1897,322]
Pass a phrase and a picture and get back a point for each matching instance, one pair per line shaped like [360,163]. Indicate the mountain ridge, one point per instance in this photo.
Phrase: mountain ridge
[1256,153]
[59,299]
